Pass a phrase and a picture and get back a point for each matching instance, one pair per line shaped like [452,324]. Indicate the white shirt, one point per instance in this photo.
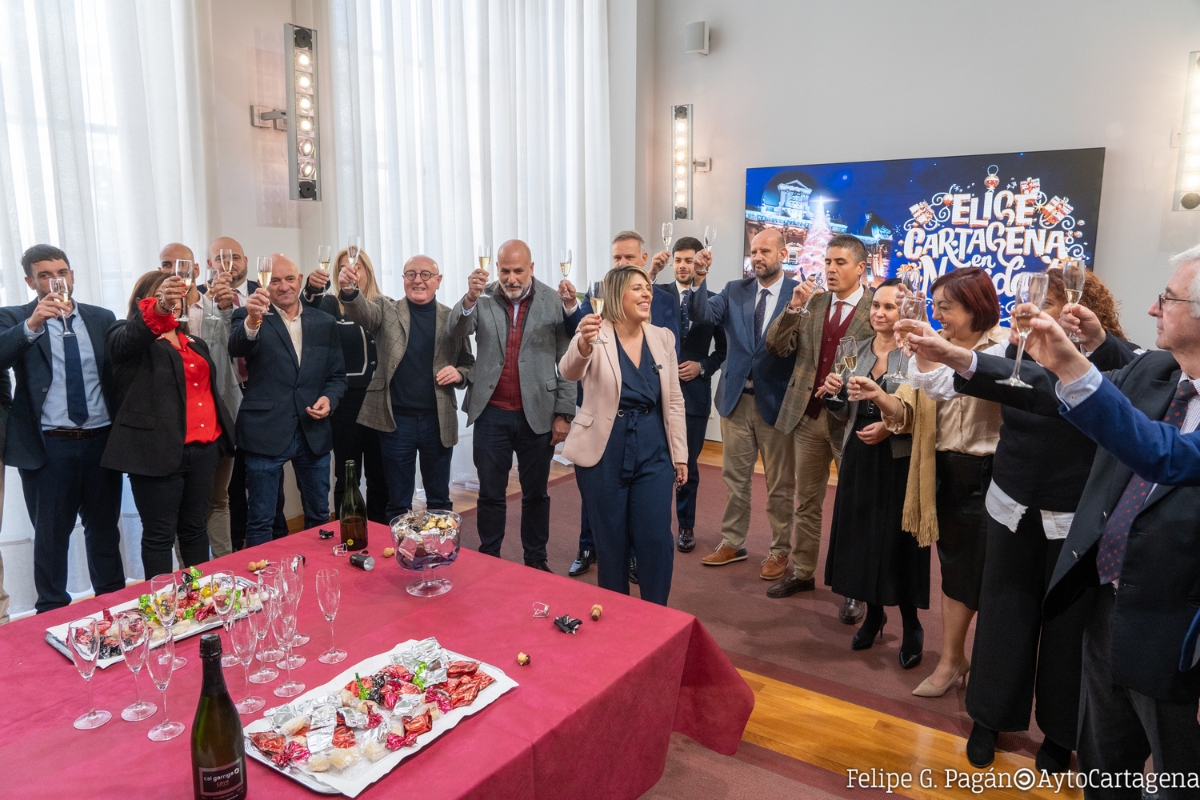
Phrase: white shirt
[294,329]
[850,302]
[772,300]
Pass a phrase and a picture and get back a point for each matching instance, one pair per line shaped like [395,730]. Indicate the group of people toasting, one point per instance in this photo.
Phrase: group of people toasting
[1083,576]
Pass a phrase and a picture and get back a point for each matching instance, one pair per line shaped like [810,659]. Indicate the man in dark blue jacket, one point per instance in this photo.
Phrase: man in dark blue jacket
[61,417]
[296,376]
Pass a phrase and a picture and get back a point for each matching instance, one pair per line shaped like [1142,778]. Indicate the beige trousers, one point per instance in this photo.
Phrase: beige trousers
[816,446]
[744,436]
[219,539]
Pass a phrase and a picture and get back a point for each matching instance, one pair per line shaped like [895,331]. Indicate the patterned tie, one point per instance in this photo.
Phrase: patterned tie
[77,406]
[685,322]
[760,314]
[240,363]
[1111,553]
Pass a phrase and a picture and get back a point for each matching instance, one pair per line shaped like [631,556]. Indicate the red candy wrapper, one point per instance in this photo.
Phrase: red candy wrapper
[293,753]
[438,695]
[414,726]
[374,719]
[459,668]
[269,743]
[343,737]
[395,741]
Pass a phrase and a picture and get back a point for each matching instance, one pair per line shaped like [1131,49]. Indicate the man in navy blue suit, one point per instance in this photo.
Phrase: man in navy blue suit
[296,376]
[61,417]
[701,350]
[749,396]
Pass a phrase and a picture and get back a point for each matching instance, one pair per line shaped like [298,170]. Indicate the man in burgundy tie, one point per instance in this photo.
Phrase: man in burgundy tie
[1140,542]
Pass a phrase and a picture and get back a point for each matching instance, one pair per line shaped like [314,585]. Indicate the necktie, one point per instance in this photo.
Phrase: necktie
[1111,553]
[77,407]
[839,307]
[685,322]
[240,363]
[760,315]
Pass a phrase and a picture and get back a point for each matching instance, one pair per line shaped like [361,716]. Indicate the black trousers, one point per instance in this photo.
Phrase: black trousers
[499,434]
[360,444]
[176,505]
[685,496]
[1119,728]
[238,508]
[73,484]
[1019,656]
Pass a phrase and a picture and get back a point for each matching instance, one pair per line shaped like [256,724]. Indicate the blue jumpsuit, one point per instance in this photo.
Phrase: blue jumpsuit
[628,493]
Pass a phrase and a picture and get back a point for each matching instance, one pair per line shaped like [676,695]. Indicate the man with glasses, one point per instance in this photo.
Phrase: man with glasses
[411,401]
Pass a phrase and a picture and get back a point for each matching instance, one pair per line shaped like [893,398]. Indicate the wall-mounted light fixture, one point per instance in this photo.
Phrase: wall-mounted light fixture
[1187,174]
[682,163]
[304,139]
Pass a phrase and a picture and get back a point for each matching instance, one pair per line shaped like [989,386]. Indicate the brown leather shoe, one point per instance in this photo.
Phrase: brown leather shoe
[723,555]
[687,540]
[774,567]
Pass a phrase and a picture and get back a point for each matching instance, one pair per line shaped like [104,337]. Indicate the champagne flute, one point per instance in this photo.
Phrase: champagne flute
[1074,279]
[58,286]
[329,593]
[1028,287]
[223,590]
[261,623]
[84,641]
[284,626]
[849,351]
[225,260]
[818,287]
[265,267]
[323,255]
[164,593]
[597,297]
[211,274]
[185,270]
[564,262]
[710,237]
[485,259]
[160,661]
[132,631]
[270,586]
[293,572]
[353,251]
[242,634]
[668,233]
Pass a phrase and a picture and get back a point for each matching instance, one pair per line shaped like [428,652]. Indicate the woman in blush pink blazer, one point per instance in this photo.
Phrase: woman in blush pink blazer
[628,441]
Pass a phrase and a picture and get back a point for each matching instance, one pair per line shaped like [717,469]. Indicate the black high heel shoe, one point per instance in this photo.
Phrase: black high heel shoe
[912,647]
[864,638]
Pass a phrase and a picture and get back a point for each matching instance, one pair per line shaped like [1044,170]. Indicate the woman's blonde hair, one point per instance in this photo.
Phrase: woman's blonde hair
[369,288]
[616,283]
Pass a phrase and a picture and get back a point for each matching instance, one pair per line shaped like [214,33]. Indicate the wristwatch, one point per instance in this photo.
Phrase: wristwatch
[568,418]
[701,370]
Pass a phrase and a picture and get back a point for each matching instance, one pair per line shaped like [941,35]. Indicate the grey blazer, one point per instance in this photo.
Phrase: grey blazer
[846,410]
[544,393]
[387,321]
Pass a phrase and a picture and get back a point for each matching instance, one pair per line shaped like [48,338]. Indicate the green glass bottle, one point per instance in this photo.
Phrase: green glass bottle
[353,513]
[218,746]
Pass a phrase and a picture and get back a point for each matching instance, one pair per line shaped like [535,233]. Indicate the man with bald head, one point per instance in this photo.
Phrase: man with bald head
[295,378]
[167,258]
[517,400]
[419,365]
[749,394]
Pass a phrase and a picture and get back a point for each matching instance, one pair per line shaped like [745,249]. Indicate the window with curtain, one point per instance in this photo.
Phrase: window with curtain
[468,122]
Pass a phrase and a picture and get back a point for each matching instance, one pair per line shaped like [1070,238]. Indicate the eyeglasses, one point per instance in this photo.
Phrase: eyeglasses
[424,275]
[1162,298]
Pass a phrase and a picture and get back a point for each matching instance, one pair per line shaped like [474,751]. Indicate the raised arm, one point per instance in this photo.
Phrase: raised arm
[366,313]
[704,307]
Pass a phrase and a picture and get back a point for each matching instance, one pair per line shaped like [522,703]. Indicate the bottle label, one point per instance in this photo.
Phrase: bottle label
[223,783]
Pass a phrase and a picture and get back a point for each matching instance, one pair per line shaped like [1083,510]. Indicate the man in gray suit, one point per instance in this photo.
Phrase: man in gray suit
[517,400]
[411,401]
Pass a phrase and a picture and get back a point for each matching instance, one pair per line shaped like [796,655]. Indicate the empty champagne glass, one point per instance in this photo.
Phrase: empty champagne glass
[597,297]
[84,643]
[710,237]
[265,267]
[184,270]
[353,251]
[224,593]
[1074,279]
[261,623]
[1028,287]
[241,633]
[270,585]
[164,594]
[668,233]
[160,663]
[564,262]
[58,286]
[284,626]
[293,575]
[818,287]
[133,633]
[329,593]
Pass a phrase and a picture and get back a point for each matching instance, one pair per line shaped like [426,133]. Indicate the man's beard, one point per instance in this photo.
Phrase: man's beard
[767,271]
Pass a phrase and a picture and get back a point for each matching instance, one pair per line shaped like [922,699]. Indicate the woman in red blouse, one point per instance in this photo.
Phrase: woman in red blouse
[170,426]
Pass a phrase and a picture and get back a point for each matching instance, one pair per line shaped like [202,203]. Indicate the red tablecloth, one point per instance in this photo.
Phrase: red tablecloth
[592,716]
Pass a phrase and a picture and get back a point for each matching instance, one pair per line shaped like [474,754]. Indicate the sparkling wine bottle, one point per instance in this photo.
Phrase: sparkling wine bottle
[218,747]
[353,513]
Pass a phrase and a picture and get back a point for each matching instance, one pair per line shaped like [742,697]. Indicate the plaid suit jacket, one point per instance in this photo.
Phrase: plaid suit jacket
[801,334]
[387,321]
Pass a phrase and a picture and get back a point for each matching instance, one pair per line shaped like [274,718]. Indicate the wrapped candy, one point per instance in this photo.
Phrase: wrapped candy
[320,739]
[414,726]
[292,753]
[269,743]
[436,695]
[343,737]
[395,741]
[459,668]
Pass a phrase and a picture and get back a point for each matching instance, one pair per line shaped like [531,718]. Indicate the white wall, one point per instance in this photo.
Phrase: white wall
[791,82]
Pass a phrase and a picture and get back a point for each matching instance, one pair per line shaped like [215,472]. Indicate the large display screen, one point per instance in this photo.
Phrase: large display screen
[1006,213]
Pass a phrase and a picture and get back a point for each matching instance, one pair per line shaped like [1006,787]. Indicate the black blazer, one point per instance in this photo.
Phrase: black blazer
[358,347]
[279,390]
[150,423]
[24,447]
[695,346]
[1159,591]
